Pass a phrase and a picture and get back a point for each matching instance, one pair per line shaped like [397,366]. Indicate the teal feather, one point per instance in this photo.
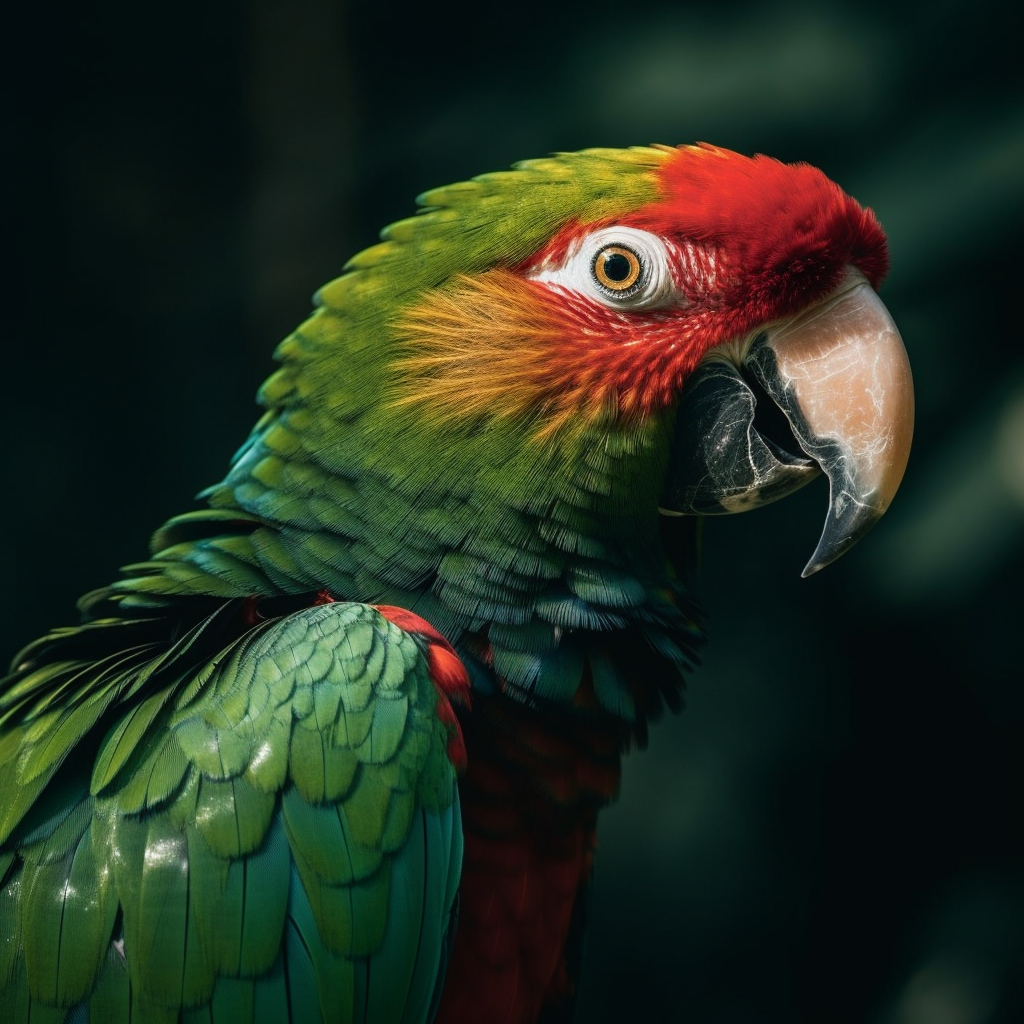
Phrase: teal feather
[111,999]
[232,816]
[270,991]
[568,611]
[307,959]
[44,888]
[124,739]
[518,668]
[233,999]
[168,889]
[561,672]
[262,880]
[51,808]
[151,875]
[216,906]
[399,820]
[609,686]
[536,637]
[63,835]
[158,778]
[276,561]
[321,840]
[390,994]
[440,904]
[606,587]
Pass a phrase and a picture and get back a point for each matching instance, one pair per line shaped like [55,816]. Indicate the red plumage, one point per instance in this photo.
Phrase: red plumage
[447,673]
[752,240]
[529,798]
[787,221]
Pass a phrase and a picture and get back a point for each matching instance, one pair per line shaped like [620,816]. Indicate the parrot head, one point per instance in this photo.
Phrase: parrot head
[503,415]
[713,311]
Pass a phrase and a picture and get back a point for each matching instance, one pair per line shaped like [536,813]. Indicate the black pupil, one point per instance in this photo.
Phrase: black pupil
[617,267]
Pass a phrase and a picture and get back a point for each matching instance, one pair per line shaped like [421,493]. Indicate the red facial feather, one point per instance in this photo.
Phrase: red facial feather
[753,240]
[787,227]
[639,358]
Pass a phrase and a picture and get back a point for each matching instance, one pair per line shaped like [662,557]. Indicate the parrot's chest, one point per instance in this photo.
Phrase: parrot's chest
[530,799]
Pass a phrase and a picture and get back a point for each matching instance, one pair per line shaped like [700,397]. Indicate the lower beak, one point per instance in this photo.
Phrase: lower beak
[828,390]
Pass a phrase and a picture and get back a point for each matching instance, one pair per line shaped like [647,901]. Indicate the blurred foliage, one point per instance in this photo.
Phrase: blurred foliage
[832,830]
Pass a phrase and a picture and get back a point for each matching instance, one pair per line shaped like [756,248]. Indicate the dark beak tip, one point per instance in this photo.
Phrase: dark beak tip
[843,529]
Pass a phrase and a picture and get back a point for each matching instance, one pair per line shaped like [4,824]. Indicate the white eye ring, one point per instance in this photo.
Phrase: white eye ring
[623,268]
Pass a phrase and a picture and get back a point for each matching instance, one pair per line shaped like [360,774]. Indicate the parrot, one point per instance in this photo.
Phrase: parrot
[335,750]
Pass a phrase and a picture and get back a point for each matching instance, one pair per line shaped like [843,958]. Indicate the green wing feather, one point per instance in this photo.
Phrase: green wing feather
[262,827]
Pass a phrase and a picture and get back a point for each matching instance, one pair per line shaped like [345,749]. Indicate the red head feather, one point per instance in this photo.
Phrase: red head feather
[785,230]
[754,240]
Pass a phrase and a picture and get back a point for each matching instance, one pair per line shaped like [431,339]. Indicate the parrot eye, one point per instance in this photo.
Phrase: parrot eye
[620,267]
[617,268]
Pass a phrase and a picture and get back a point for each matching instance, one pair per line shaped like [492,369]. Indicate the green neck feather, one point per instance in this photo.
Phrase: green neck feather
[517,548]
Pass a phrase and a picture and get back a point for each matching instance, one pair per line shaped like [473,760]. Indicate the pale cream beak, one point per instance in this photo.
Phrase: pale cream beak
[839,373]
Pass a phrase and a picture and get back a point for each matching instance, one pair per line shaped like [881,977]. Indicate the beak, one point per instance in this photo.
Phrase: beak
[828,390]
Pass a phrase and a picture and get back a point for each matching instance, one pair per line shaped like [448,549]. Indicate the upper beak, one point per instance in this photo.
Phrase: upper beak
[839,375]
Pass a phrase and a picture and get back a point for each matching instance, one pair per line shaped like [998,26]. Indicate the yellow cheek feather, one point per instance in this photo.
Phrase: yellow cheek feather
[495,345]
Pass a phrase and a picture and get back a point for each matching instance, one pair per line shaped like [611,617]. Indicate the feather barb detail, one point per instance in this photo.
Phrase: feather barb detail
[495,345]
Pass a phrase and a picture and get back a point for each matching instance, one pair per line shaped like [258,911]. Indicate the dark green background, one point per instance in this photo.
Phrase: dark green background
[831,832]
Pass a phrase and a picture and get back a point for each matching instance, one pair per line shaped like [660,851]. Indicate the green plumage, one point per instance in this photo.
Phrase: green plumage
[280,783]
[224,801]
[468,523]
